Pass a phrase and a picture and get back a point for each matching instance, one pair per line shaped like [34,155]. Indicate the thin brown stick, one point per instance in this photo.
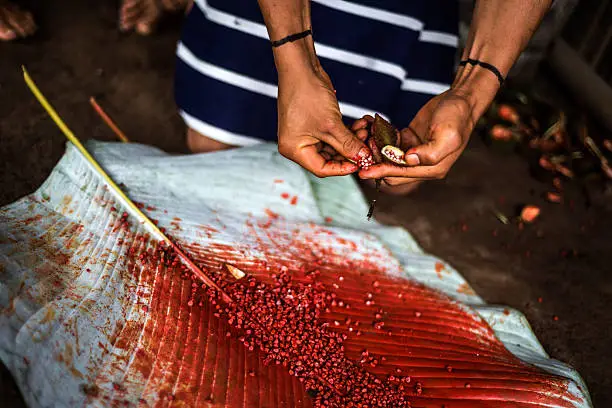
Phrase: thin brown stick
[109,122]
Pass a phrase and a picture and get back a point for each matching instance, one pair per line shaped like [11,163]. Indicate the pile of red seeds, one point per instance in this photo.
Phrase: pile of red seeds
[282,319]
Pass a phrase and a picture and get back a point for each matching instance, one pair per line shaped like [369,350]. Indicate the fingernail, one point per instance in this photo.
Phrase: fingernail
[364,158]
[412,159]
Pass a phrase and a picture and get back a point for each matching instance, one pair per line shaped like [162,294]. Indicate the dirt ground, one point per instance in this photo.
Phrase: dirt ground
[564,258]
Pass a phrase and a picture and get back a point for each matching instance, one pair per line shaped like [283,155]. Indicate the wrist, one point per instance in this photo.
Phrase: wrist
[296,59]
[477,85]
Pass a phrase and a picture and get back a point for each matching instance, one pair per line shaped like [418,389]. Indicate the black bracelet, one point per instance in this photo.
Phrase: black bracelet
[485,65]
[291,38]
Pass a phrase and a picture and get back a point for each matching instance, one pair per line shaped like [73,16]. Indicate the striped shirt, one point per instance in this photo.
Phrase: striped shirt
[388,57]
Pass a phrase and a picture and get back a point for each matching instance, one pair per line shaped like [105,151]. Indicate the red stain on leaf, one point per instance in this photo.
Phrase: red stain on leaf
[465,289]
[439,268]
[271,213]
[407,329]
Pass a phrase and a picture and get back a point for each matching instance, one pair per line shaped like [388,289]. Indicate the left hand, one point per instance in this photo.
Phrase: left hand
[433,141]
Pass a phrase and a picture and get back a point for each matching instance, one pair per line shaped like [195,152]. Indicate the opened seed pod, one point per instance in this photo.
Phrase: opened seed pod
[385,136]
[384,143]
[395,154]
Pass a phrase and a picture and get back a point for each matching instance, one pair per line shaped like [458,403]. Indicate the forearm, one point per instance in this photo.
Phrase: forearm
[499,32]
[283,18]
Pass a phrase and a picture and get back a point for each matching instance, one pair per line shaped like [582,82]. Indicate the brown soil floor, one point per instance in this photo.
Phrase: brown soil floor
[79,53]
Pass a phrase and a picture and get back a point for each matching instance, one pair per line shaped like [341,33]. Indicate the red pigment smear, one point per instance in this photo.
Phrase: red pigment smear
[271,214]
[439,268]
[329,220]
[395,329]
[278,181]
[294,200]
[285,195]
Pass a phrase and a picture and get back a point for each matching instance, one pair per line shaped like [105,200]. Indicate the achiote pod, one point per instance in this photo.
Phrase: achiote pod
[384,142]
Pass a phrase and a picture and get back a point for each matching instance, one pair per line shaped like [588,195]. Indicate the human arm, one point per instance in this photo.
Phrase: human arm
[310,128]
[438,134]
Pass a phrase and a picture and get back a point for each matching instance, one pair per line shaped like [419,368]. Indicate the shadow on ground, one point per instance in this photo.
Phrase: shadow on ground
[564,258]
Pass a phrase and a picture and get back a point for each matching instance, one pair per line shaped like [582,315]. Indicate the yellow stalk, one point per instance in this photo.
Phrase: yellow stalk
[119,194]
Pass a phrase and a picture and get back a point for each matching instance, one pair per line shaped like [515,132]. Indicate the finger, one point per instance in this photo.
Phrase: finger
[347,144]
[409,139]
[327,148]
[444,141]
[329,151]
[338,157]
[326,155]
[417,172]
[362,123]
[362,134]
[397,181]
[131,10]
[311,160]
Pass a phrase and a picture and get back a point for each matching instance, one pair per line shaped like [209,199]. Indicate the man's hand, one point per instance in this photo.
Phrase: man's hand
[310,128]
[434,140]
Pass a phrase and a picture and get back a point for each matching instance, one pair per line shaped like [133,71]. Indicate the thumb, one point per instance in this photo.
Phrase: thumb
[442,142]
[348,145]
